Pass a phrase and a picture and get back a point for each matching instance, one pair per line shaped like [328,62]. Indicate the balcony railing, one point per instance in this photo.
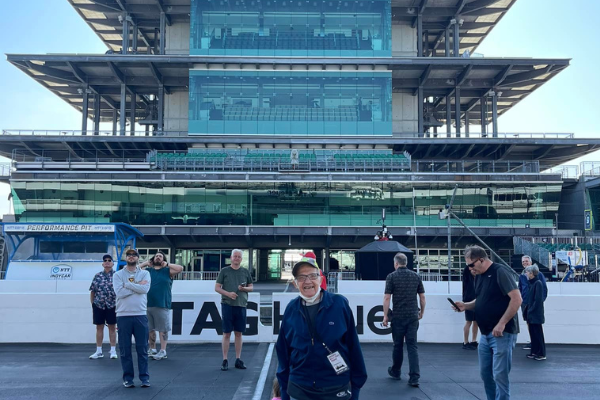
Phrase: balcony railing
[474,135]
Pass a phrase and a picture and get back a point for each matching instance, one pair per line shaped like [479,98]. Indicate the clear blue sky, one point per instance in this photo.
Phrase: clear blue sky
[533,28]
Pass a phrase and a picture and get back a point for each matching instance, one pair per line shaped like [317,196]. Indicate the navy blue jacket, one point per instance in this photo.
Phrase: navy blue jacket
[305,363]
[524,287]
[535,302]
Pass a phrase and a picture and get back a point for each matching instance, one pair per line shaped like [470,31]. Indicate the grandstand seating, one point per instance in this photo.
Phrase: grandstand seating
[289,113]
[329,160]
[291,41]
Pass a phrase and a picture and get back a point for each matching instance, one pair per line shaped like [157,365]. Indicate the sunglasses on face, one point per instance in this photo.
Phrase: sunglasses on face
[107,260]
[131,255]
[472,264]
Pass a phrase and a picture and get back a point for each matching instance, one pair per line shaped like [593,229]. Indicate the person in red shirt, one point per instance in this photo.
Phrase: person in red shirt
[310,254]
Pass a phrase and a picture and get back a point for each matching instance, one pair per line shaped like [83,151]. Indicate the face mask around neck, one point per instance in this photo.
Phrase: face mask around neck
[312,299]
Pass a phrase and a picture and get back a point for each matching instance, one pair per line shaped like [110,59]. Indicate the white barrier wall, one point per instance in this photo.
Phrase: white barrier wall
[60,312]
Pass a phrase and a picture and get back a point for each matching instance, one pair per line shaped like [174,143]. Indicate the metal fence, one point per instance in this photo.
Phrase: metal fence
[197,276]
[536,252]
[476,135]
[476,166]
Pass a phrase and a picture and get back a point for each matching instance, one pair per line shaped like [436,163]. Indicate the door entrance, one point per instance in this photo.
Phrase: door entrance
[281,262]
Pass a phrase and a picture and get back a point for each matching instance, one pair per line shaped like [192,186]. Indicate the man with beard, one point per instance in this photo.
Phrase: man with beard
[131,285]
[159,301]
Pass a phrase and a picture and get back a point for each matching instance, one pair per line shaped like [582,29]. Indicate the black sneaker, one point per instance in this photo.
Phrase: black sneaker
[413,383]
[239,364]
[539,358]
[128,384]
[394,375]
[474,345]
[145,384]
[531,356]
[225,365]
[527,347]
[467,346]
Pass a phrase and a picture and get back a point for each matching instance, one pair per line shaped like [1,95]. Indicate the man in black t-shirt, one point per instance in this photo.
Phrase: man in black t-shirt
[496,304]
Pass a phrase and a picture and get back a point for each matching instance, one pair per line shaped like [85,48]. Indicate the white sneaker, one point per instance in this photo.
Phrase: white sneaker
[113,355]
[161,354]
[96,356]
[152,352]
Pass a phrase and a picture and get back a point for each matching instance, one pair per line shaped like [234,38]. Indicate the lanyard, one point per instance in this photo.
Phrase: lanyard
[310,328]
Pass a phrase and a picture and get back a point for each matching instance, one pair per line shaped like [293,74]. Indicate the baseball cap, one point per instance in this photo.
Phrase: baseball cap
[304,261]
[132,251]
[104,257]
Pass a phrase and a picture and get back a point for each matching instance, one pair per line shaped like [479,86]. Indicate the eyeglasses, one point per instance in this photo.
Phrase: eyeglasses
[131,255]
[303,278]
[472,264]
[107,259]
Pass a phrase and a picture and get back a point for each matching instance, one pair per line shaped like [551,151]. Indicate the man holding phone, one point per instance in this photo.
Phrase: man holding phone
[496,304]
[233,284]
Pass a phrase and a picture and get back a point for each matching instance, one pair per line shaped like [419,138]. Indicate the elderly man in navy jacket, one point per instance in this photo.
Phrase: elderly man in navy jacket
[318,349]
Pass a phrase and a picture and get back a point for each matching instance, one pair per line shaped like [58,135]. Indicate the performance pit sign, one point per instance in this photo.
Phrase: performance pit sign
[75,228]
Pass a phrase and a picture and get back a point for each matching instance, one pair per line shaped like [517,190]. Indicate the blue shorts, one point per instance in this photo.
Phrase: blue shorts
[234,318]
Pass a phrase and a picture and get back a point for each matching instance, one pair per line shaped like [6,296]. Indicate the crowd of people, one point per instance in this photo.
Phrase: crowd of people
[318,348]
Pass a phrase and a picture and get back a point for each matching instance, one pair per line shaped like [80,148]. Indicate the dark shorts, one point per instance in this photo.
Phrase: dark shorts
[469,315]
[234,318]
[101,317]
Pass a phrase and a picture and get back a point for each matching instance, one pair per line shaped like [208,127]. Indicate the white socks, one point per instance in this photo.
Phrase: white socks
[113,349]
[99,350]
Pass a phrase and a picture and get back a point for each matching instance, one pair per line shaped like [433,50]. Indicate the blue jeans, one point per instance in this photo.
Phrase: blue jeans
[495,361]
[138,327]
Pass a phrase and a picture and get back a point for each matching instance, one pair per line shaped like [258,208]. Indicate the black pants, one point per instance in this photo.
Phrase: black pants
[538,343]
[403,329]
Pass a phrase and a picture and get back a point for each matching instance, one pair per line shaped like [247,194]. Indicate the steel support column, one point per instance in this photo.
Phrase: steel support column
[483,103]
[161,106]
[447,41]
[115,116]
[426,44]
[132,113]
[467,124]
[420,111]
[123,111]
[163,33]
[85,110]
[419,35]
[456,40]
[495,115]
[457,110]
[125,43]
[147,130]
[134,43]
[156,38]
[97,114]
[448,116]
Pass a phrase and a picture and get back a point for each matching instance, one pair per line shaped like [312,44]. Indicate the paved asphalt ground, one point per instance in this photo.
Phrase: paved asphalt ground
[41,371]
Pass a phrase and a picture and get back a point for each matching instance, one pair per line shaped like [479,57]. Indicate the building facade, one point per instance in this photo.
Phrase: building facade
[277,126]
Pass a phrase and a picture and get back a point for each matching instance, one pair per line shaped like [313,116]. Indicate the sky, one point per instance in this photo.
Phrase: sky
[531,29]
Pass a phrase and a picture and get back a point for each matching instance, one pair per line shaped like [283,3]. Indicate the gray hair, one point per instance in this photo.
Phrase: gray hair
[474,252]
[237,251]
[400,259]
[533,269]
[526,256]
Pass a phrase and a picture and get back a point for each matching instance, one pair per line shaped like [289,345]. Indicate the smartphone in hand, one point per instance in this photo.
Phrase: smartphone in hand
[453,304]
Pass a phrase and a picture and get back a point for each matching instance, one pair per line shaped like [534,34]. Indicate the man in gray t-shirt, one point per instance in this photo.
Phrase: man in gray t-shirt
[233,284]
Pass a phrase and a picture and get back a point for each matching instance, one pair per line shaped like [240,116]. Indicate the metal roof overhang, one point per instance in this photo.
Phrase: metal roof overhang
[478,18]
[67,75]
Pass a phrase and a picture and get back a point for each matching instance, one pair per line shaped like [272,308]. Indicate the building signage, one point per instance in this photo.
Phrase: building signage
[61,271]
[588,220]
[92,228]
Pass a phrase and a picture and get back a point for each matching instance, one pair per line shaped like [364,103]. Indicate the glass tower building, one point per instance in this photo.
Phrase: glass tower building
[278,126]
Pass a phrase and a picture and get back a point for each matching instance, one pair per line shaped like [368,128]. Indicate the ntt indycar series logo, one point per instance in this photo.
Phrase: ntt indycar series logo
[61,271]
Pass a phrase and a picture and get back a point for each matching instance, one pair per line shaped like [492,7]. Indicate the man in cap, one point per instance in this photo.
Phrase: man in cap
[131,287]
[233,284]
[103,299]
[310,254]
[330,363]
